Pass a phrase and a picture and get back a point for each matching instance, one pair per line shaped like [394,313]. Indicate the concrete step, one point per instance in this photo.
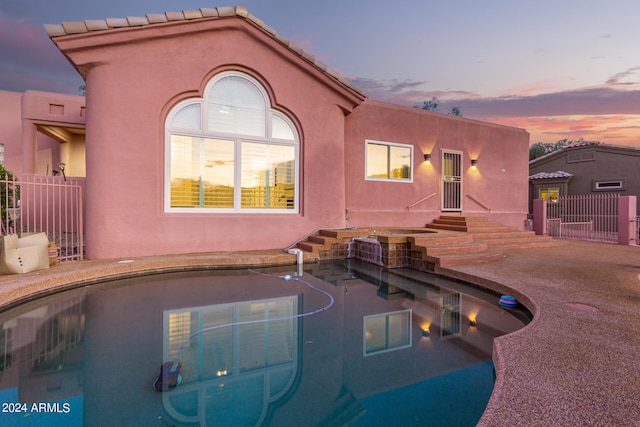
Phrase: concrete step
[450,227]
[537,243]
[474,229]
[457,249]
[309,246]
[323,240]
[463,222]
[342,233]
[465,218]
[490,255]
[437,239]
[511,234]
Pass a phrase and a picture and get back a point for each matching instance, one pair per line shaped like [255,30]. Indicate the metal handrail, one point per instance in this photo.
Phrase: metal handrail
[420,201]
[479,202]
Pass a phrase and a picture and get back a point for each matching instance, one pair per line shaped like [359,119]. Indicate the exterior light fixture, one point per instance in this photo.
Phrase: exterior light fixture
[426,332]
[474,163]
[427,158]
[61,166]
[472,323]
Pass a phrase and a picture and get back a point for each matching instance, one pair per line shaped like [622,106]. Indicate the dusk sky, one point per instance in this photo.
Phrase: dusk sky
[559,69]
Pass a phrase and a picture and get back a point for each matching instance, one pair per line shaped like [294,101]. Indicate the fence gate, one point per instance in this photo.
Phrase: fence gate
[33,204]
[587,217]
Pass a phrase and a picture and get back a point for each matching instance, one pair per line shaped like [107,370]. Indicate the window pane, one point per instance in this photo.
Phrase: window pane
[550,194]
[375,334]
[280,129]
[236,105]
[218,173]
[387,331]
[251,336]
[399,329]
[185,171]
[399,162]
[268,176]
[215,345]
[377,161]
[201,172]
[187,118]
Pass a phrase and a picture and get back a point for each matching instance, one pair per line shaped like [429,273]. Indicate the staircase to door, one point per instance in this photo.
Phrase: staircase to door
[455,240]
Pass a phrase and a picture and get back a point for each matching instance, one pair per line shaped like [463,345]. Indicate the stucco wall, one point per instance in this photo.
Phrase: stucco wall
[11,130]
[497,187]
[30,151]
[55,113]
[611,163]
[135,77]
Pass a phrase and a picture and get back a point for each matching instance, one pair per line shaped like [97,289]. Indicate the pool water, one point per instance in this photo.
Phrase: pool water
[256,348]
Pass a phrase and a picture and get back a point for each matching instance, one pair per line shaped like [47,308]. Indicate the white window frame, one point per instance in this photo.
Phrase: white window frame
[608,185]
[405,317]
[548,190]
[388,144]
[238,139]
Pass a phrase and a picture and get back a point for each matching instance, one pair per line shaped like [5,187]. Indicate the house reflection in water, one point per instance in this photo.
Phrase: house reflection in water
[105,348]
[41,357]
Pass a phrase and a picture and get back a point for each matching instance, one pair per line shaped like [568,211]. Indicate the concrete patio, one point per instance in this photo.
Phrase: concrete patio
[575,364]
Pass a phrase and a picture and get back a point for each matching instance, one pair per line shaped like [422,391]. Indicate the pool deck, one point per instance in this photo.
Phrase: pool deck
[575,364]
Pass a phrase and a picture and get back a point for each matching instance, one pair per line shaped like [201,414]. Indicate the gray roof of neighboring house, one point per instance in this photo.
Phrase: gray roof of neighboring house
[568,147]
[629,149]
[71,28]
[551,175]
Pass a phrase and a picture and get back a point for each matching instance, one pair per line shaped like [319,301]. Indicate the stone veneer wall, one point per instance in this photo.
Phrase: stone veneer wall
[397,252]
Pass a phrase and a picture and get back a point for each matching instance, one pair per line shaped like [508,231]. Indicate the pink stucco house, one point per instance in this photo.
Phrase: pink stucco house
[208,131]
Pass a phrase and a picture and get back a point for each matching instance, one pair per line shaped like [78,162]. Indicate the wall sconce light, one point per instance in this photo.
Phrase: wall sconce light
[472,322]
[61,167]
[425,332]
[427,158]
[474,163]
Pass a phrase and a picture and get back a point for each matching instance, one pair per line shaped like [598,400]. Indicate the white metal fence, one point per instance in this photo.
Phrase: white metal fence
[585,217]
[47,204]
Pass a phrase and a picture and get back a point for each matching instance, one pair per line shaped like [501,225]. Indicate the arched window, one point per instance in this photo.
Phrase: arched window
[231,152]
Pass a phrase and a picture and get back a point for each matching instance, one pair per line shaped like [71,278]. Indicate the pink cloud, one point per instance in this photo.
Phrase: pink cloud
[31,61]
[611,129]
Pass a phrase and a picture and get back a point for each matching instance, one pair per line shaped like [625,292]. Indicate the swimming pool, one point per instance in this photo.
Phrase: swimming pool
[395,347]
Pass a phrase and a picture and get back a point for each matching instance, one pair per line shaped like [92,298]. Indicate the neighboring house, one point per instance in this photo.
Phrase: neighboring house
[585,168]
[39,130]
[208,131]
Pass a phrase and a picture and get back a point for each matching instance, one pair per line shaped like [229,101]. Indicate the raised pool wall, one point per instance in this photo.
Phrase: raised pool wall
[387,247]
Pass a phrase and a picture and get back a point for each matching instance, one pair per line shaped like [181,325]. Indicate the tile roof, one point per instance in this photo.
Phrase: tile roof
[88,26]
[551,175]
[630,149]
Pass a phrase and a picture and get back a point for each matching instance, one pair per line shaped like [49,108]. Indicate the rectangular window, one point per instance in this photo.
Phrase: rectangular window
[549,194]
[388,161]
[202,172]
[608,185]
[232,339]
[206,172]
[268,176]
[387,331]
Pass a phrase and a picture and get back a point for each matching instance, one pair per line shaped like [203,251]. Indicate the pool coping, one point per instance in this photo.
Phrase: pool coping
[561,369]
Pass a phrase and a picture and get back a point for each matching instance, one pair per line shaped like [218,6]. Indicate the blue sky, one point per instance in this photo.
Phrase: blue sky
[560,69]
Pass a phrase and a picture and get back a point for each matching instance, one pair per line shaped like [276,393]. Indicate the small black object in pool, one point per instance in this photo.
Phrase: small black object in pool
[169,377]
